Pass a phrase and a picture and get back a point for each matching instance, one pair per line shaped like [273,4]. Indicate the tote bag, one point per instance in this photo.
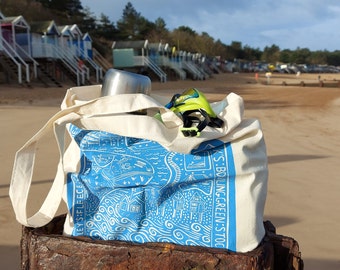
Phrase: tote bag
[135,178]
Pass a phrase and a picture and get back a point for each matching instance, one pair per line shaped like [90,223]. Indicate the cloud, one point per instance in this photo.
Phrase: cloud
[287,24]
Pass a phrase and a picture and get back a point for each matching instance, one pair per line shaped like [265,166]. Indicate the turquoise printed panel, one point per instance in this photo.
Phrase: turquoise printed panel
[135,190]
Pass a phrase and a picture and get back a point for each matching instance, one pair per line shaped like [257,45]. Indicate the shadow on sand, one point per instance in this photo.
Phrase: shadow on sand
[10,257]
[292,158]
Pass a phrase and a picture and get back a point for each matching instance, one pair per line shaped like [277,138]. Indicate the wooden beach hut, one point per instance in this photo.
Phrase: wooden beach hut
[16,58]
[86,46]
[191,62]
[134,55]
[44,36]
[76,40]
[14,30]
[78,50]
[86,53]
[65,38]
[69,62]
[160,53]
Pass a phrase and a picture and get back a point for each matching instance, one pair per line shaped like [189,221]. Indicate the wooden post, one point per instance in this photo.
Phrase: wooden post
[47,248]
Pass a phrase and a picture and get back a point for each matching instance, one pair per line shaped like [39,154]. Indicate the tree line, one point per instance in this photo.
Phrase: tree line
[134,26]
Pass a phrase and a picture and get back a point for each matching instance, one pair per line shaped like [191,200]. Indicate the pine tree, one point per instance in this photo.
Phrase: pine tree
[132,25]
[70,7]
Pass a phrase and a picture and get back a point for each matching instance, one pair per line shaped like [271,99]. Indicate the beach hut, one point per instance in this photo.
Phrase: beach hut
[70,63]
[76,40]
[16,48]
[16,30]
[135,55]
[126,53]
[86,53]
[77,51]
[44,41]
[191,63]
[86,46]
[44,37]
[65,38]
[160,53]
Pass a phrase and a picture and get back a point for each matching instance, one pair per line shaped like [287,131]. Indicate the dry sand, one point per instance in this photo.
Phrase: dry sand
[301,127]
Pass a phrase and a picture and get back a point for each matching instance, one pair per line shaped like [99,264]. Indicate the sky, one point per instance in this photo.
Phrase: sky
[289,24]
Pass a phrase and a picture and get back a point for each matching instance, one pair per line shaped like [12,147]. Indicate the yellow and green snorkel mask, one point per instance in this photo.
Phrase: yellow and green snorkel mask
[195,111]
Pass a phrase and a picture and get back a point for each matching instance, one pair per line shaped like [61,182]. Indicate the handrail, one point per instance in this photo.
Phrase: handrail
[69,59]
[10,52]
[35,63]
[165,61]
[145,61]
[99,70]
[69,64]
[74,60]
[101,59]
[194,70]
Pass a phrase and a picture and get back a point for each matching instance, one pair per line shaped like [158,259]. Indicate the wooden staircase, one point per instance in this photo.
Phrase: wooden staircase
[74,75]
[101,61]
[46,78]
[12,68]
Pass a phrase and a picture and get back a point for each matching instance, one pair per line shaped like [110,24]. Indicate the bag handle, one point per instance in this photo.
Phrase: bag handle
[25,157]
[95,114]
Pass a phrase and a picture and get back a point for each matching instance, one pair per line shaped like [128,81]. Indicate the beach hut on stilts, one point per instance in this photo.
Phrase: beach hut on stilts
[44,39]
[15,51]
[85,52]
[69,63]
[134,56]
[160,53]
[80,48]
[191,62]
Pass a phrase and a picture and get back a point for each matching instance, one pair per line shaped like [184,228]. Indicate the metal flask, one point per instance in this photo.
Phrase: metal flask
[123,82]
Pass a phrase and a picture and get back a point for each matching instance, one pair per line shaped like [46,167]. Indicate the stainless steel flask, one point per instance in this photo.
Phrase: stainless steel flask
[123,82]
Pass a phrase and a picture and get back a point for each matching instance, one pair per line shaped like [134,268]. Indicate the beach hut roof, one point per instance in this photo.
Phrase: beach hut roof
[17,21]
[131,44]
[65,30]
[75,30]
[45,27]
[87,37]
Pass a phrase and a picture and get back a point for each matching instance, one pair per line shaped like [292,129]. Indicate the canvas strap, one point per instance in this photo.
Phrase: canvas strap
[86,110]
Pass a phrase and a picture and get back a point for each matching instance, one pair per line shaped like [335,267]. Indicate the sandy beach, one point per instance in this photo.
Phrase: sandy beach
[301,125]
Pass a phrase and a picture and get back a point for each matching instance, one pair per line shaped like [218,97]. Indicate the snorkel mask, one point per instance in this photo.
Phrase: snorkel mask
[195,112]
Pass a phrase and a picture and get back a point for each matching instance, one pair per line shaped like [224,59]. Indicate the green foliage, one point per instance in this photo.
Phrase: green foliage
[159,32]
[70,7]
[132,25]
[105,28]
[271,54]
[333,58]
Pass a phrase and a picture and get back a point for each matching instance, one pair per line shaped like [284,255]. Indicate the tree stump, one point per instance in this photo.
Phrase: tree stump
[47,248]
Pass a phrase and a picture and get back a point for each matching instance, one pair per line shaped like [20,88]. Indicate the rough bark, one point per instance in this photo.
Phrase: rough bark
[47,248]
